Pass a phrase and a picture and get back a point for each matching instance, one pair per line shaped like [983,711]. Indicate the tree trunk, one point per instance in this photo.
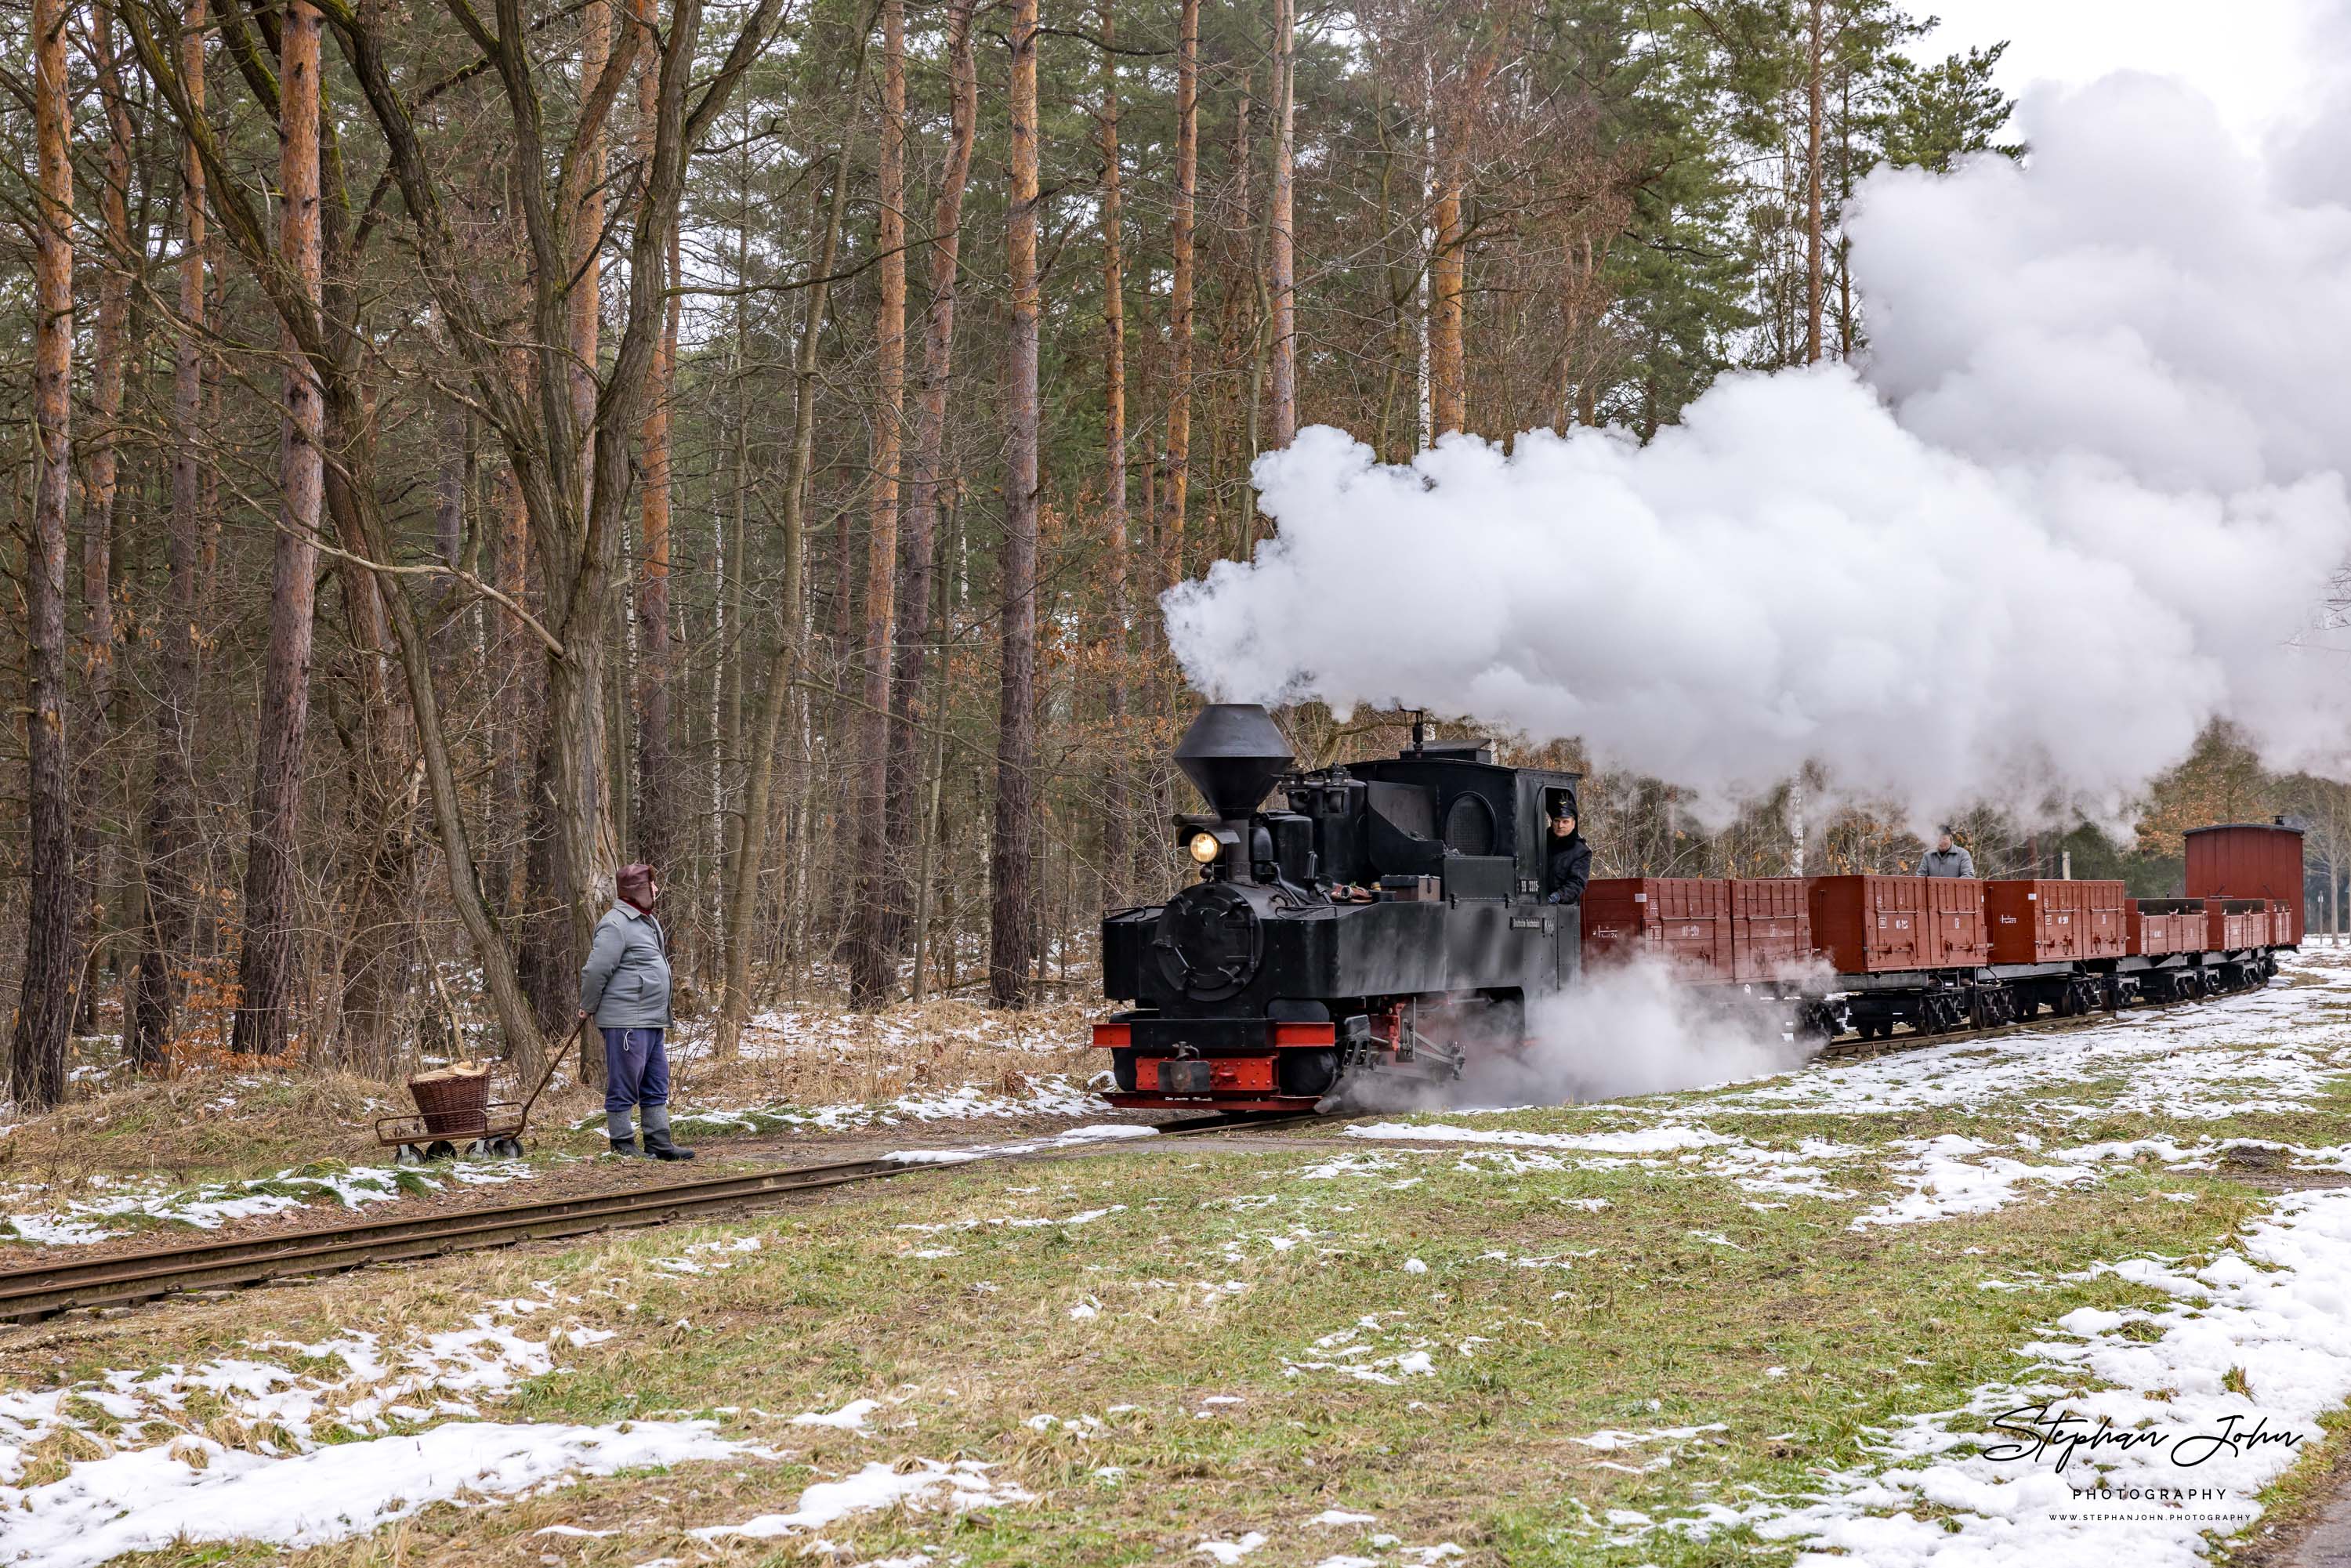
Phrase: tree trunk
[1812,291]
[658,814]
[44,1009]
[587,292]
[510,766]
[1180,292]
[1279,238]
[172,808]
[102,496]
[784,665]
[872,971]
[1115,852]
[1011,870]
[266,963]
[1448,387]
[734,639]
[570,834]
[919,519]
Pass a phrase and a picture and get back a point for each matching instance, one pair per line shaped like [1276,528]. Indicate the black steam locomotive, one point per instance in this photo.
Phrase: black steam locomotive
[1387,917]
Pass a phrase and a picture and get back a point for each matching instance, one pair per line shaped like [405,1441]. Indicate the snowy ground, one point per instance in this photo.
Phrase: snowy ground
[1046,1095]
[1864,1313]
[131,1203]
[2144,1434]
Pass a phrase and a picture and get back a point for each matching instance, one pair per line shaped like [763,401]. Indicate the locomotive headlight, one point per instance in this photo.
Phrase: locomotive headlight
[1206,849]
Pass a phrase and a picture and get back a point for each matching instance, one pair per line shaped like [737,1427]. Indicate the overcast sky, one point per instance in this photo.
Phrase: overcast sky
[2255,58]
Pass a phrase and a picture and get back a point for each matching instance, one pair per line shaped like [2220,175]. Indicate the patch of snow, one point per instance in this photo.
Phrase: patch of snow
[1097,1133]
[1047,1094]
[210,1207]
[1609,1441]
[1643,1141]
[850,1417]
[1952,1176]
[962,1486]
[144,1499]
[1231,1551]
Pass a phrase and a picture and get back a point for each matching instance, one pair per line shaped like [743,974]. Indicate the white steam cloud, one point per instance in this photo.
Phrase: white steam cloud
[1628,1030]
[2087,494]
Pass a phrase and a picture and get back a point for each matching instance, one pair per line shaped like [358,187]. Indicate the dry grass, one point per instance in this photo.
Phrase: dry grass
[200,1123]
[234,1118]
[821,1055]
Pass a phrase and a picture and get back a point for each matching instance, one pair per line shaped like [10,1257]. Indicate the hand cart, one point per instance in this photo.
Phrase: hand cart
[483,1130]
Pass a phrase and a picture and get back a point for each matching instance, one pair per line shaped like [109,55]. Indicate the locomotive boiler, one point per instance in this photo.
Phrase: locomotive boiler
[1385,918]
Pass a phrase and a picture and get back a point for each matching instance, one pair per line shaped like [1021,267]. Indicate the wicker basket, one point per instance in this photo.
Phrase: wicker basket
[453,1105]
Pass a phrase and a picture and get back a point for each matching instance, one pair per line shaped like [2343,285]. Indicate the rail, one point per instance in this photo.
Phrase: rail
[123,1278]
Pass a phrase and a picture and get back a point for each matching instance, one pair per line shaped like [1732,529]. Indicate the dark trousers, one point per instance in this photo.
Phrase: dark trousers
[636,1068]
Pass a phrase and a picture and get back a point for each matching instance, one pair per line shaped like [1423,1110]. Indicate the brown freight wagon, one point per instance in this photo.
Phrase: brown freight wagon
[2047,922]
[2161,926]
[1683,920]
[2249,860]
[1873,924]
[2230,924]
[1770,927]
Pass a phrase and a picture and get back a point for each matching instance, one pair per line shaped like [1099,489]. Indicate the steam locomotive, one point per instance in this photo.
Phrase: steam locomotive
[1385,921]
[1387,917]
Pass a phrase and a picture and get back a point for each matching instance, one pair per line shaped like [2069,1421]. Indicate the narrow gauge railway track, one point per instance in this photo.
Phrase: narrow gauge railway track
[123,1278]
[1854,1047]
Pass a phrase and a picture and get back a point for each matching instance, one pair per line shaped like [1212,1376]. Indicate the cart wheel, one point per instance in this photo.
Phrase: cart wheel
[440,1149]
[408,1154]
[506,1148]
[479,1149]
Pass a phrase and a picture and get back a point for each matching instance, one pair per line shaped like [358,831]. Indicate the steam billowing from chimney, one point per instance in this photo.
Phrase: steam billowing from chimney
[2086,494]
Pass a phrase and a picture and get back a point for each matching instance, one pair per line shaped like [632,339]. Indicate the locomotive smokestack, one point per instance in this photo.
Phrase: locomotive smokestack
[1232,754]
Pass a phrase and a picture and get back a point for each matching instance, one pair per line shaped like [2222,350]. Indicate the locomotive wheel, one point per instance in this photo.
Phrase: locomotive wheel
[1308,1071]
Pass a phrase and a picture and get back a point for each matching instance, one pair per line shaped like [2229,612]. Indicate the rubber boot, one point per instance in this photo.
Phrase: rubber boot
[657,1141]
[623,1137]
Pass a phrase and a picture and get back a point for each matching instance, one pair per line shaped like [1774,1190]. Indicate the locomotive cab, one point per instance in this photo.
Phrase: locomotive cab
[1384,917]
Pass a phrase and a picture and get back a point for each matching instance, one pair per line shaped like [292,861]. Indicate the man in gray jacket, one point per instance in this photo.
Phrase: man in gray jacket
[1947,859]
[625,985]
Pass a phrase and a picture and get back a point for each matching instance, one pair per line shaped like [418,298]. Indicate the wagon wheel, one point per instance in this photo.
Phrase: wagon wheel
[506,1148]
[478,1149]
[440,1149]
[408,1154]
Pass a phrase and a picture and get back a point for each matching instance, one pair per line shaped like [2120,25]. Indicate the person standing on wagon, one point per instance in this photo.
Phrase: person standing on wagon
[625,985]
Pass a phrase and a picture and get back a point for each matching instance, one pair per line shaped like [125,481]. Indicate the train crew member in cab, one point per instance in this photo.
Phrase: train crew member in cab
[625,985]
[1570,865]
[1947,858]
